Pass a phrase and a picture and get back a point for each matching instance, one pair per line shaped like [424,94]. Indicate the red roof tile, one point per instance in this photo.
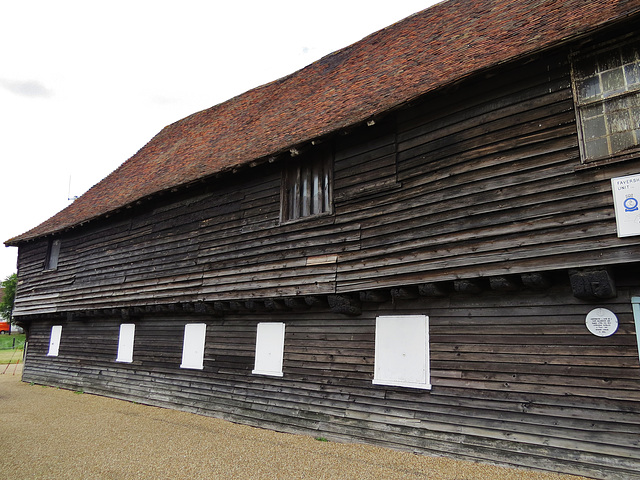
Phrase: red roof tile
[425,51]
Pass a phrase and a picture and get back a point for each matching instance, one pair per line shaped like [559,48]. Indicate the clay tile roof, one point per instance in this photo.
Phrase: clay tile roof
[427,50]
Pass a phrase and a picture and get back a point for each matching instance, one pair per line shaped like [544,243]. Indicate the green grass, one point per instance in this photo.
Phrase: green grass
[9,354]
[6,341]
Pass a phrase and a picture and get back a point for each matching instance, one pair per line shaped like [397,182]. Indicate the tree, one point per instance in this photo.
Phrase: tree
[6,306]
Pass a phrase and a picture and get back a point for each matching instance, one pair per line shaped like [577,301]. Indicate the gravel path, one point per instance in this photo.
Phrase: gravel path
[50,433]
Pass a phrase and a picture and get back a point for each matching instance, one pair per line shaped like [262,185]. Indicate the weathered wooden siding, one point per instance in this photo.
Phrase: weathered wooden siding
[517,378]
[213,245]
[481,179]
[491,184]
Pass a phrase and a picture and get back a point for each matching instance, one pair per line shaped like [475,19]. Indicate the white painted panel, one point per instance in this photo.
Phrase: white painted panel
[54,340]
[626,203]
[193,345]
[125,342]
[269,349]
[635,302]
[402,351]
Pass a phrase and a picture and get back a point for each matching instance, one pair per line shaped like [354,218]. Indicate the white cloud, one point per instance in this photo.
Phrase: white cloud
[26,88]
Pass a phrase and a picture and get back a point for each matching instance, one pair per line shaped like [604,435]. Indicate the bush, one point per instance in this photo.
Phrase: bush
[6,306]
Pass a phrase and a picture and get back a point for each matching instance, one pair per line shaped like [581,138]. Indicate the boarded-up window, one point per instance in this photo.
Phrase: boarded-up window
[307,186]
[607,93]
[53,252]
[54,340]
[193,345]
[269,349]
[125,342]
[402,351]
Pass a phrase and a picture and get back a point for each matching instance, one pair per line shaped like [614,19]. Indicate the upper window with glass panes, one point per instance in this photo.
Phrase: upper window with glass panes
[607,94]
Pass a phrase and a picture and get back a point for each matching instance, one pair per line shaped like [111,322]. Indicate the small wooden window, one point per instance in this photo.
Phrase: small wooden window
[125,342]
[193,345]
[269,349]
[54,341]
[402,351]
[307,186]
[607,95]
[53,252]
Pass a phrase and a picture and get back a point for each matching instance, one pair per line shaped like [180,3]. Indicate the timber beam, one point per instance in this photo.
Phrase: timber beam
[236,306]
[587,283]
[316,301]
[469,285]
[275,305]
[505,283]
[296,303]
[345,303]
[221,307]
[254,305]
[592,283]
[203,308]
[440,289]
[375,296]
[536,280]
[404,293]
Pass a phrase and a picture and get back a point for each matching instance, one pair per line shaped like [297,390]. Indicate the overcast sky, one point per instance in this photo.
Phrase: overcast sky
[85,84]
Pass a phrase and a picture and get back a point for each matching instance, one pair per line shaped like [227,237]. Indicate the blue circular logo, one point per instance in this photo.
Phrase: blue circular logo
[630,204]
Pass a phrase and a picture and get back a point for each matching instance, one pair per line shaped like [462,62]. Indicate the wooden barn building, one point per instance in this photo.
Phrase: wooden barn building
[428,240]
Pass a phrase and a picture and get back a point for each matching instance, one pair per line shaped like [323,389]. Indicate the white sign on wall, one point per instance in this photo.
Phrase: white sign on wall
[602,322]
[626,201]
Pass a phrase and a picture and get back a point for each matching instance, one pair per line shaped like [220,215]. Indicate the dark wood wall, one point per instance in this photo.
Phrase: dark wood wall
[491,183]
[483,178]
[516,377]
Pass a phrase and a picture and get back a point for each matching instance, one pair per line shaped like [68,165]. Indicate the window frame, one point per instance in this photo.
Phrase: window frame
[402,353]
[312,173]
[590,56]
[53,254]
[269,353]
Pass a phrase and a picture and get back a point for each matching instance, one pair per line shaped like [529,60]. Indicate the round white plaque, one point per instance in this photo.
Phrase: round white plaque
[602,322]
